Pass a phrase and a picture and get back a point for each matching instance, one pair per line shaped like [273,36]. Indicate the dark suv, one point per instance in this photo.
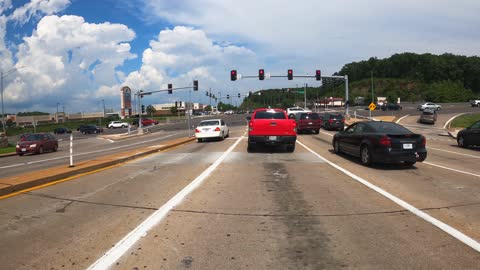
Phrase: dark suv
[332,121]
[308,122]
[88,129]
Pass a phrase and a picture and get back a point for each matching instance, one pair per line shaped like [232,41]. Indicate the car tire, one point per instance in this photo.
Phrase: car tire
[461,142]
[336,147]
[250,147]
[317,131]
[291,148]
[40,150]
[291,115]
[199,140]
[95,131]
[55,148]
[222,136]
[365,156]
[20,154]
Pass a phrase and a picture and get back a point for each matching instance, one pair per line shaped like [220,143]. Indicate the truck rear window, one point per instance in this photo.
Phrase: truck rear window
[270,115]
[309,116]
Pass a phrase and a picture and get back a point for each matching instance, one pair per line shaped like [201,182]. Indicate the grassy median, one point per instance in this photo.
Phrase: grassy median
[7,150]
[465,120]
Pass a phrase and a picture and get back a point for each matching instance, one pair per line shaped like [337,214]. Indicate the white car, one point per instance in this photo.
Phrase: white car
[296,110]
[117,124]
[429,105]
[212,128]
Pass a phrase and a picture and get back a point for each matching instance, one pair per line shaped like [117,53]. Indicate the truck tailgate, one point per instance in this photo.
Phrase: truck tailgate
[278,127]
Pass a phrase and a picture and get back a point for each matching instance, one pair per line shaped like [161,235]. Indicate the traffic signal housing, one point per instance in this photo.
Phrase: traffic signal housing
[239,95]
[170,88]
[228,96]
[233,75]
[261,74]
[290,74]
[318,75]
[143,108]
[195,85]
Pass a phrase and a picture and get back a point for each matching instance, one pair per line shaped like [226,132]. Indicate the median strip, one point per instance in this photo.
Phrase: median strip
[16,184]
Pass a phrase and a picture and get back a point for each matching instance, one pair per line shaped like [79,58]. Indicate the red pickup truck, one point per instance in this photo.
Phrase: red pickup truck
[271,127]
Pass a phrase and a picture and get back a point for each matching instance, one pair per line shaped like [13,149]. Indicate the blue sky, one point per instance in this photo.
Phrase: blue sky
[79,52]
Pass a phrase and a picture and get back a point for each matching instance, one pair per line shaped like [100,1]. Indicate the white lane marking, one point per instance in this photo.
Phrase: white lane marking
[87,153]
[141,230]
[451,119]
[439,224]
[450,169]
[326,133]
[401,118]
[467,155]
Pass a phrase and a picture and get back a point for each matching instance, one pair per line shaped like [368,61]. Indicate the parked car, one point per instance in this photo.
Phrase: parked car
[428,116]
[292,112]
[377,141]
[62,130]
[429,105]
[212,128]
[271,127]
[36,143]
[390,107]
[88,129]
[332,120]
[469,136]
[309,121]
[117,124]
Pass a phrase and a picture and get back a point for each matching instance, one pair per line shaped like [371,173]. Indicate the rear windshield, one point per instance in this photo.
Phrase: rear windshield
[386,127]
[208,123]
[270,115]
[336,116]
[307,116]
[428,112]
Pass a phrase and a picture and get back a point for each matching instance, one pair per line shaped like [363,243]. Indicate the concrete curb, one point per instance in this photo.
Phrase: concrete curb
[8,155]
[29,180]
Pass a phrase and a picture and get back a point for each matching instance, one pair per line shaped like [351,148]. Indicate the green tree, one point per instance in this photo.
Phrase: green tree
[151,110]
[173,110]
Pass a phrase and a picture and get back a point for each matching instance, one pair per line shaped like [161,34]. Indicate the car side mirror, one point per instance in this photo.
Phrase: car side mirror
[248,118]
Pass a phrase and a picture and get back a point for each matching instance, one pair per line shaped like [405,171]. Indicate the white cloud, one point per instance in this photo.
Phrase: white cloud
[36,8]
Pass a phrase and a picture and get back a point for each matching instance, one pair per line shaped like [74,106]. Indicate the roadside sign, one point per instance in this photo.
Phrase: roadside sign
[372,106]
[300,92]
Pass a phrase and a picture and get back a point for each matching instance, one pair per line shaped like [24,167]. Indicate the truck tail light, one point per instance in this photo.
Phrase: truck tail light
[424,141]
[250,126]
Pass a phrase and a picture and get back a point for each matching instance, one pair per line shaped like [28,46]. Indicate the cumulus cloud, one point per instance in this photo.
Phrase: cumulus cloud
[66,57]
[37,8]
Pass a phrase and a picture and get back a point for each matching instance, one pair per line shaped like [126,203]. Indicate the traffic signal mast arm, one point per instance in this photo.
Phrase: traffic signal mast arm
[163,90]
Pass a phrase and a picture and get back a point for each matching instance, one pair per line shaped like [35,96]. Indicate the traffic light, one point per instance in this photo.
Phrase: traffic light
[228,96]
[176,104]
[318,75]
[239,95]
[180,104]
[233,75]
[195,85]
[207,93]
[290,74]
[170,88]
[261,74]
[143,108]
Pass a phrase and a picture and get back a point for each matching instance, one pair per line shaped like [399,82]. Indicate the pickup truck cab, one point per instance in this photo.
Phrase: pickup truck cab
[271,127]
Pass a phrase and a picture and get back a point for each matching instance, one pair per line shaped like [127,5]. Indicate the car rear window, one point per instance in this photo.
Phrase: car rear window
[208,123]
[312,116]
[270,115]
[386,127]
[428,112]
[336,116]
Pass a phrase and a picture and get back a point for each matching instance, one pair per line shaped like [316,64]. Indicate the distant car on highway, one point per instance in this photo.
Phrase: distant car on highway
[296,110]
[428,116]
[117,124]
[229,112]
[37,143]
[145,122]
[212,128]
[309,121]
[62,130]
[332,120]
[377,141]
[469,136]
[429,105]
[271,127]
[88,129]
[390,107]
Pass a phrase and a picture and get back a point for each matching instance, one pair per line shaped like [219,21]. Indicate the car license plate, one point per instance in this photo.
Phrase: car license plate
[310,123]
[272,138]
[407,146]
[206,129]
[24,149]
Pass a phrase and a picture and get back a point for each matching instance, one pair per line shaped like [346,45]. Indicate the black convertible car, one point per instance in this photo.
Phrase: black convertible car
[381,142]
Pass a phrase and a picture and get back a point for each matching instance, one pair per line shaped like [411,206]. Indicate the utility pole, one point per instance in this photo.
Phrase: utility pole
[305,95]
[371,76]
[3,113]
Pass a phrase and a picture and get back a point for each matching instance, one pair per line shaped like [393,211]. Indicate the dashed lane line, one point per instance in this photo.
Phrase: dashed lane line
[467,155]
[450,169]
[401,118]
[437,223]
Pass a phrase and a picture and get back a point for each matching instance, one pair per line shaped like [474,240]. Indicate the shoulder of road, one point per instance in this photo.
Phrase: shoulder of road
[22,183]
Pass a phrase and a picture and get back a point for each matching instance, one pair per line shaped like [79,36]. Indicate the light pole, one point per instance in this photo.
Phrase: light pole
[56,115]
[103,101]
[2,75]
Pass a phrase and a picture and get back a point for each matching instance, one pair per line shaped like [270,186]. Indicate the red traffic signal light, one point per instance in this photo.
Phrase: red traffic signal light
[318,75]
[290,74]
[170,88]
[195,85]
[261,74]
[233,75]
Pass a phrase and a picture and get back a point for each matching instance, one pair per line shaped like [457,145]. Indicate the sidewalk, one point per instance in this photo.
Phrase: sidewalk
[29,180]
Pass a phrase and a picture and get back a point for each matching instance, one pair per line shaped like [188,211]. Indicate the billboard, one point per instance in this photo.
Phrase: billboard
[126,101]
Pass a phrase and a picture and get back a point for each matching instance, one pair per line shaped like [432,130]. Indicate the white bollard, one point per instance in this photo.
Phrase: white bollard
[71,151]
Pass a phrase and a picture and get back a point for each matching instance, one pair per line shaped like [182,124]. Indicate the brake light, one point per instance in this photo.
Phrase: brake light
[250,126]
[217,129]
[330,121]
[385,141]
[197,131]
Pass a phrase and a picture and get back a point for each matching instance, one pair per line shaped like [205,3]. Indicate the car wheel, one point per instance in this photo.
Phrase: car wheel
[40,150]
[291,115]
[317,131]
[251,147]
[365,156]
[461,142]
[336,147]
[20,154]
[199,140]
[95,132]
[222,136]
[291,148]
[55,148]
[410,163]
[228,134]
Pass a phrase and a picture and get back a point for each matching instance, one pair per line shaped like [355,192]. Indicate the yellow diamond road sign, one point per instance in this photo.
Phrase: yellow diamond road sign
[372,106]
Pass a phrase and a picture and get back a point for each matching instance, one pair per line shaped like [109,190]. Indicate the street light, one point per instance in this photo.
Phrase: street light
[103,101]
[2,75]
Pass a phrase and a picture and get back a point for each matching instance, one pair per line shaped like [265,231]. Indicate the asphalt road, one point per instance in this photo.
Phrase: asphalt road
[215,206]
